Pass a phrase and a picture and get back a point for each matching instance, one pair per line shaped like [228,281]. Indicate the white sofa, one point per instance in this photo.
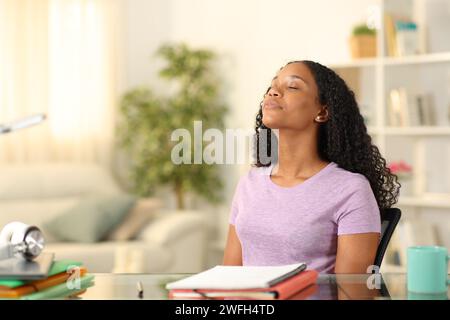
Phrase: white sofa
[172,242]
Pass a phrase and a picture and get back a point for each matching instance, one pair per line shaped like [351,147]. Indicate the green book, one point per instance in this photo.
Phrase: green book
[57,267]
[61,290]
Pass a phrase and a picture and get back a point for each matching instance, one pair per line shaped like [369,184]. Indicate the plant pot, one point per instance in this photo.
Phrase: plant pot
[363,46]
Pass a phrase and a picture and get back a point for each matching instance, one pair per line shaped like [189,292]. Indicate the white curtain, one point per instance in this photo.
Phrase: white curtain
[59,57]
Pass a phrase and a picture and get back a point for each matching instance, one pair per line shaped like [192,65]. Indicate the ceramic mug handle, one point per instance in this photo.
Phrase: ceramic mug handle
[448,260]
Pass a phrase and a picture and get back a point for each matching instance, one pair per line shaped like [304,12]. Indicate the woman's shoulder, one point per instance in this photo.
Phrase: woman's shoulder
[254,175]
[351,181]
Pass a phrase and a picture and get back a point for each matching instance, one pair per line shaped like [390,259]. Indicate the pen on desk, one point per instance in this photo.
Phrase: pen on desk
[140,290]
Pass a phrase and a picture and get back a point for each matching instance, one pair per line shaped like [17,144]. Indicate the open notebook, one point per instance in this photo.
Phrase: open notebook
[238,277]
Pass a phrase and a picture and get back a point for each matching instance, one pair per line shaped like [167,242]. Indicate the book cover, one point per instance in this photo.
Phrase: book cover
[62,290]
[391,39]
[57,267]
[423,102]
[38,285]
[238,277]
[396,108]
[280,291]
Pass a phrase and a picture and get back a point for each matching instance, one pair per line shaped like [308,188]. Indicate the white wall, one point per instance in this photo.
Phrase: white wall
[146,25]
[253,39]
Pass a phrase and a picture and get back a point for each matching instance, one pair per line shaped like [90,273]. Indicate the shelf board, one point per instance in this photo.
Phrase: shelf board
[416,59]
[424,202]
[410,131]
[416,131]
[373,130]
[393,61]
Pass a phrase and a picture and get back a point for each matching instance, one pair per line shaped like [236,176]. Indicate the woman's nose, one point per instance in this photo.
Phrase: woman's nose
[273,92]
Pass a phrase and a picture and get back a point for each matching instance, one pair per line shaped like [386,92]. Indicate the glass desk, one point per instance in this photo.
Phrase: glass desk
[387,286]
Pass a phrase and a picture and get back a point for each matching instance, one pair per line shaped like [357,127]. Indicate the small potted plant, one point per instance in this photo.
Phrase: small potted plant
[404,173]
[363,42]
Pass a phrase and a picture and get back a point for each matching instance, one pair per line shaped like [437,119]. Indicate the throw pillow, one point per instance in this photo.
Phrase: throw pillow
[137,218]
[91,219]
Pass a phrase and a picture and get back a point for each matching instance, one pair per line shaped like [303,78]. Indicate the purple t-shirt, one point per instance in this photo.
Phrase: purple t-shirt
[285,225]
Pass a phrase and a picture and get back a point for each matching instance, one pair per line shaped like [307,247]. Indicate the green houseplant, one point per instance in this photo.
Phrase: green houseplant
[148,120]
[363,29]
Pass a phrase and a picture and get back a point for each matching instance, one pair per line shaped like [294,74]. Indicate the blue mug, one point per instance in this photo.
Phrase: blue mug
[427,269]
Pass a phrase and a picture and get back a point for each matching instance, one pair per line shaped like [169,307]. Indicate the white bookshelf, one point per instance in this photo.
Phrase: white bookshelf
[441,57]
[410,131]
[417,131]
[417,59]
[376,77]
[379,72]
[425,202]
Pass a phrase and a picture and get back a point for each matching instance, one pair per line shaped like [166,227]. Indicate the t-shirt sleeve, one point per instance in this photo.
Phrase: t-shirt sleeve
[360,212]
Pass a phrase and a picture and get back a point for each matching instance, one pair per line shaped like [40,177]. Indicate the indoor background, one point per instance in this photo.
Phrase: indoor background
[78,61]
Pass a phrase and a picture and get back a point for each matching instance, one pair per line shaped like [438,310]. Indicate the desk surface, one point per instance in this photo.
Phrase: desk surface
[329,287]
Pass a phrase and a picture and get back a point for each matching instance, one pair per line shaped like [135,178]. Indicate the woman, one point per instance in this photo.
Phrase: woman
[320,202]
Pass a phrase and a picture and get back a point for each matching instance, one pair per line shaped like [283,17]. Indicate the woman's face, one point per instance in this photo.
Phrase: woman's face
[292,101]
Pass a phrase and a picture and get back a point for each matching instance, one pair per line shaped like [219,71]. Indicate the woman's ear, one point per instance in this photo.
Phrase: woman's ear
[322,115]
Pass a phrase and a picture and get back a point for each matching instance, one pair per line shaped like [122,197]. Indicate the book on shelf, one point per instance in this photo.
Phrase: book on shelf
[391,41]
[410,109]
[397,105]
[425,108]
[402,37]
[247,282]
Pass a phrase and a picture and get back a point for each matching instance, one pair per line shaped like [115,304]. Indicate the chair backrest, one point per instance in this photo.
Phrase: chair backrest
[389,220]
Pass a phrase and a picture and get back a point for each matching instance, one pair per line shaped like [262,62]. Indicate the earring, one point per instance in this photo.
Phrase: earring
[320,119]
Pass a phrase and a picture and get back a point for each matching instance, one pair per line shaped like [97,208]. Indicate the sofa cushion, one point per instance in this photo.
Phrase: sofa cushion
[91,218]
[104,257]
[35,211]
[172,225]
[137,218]
[33,181]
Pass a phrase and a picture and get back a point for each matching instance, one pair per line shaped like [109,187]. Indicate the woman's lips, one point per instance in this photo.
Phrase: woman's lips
[272,105]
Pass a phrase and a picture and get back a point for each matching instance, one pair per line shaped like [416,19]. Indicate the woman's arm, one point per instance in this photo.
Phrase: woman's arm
[233,250]
[356,252]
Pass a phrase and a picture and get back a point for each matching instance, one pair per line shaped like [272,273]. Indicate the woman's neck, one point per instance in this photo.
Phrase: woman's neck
[297,154]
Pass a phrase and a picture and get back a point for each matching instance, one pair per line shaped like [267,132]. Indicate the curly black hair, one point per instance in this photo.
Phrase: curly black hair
[343,139]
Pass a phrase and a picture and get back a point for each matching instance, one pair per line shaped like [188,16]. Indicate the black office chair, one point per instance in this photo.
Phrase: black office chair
[389,220]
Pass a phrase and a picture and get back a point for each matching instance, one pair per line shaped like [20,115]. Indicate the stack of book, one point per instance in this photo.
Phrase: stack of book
[65,278]
[247,282]
[407,108]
